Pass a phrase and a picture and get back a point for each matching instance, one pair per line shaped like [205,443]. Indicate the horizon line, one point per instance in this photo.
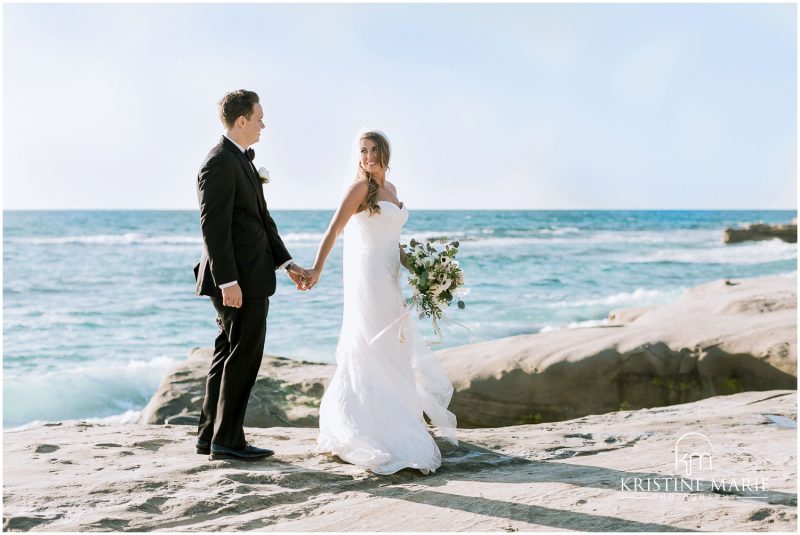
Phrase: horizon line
[421,209]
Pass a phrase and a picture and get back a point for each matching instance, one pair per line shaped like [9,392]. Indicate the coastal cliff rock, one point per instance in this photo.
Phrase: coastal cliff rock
[719,338]
[722,337]
[761,231]
[287,392]
[596,473]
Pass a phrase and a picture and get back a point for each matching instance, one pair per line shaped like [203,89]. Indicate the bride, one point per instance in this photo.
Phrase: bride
[371,414]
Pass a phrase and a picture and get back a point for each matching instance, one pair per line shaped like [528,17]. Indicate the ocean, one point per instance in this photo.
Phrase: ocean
[98,305]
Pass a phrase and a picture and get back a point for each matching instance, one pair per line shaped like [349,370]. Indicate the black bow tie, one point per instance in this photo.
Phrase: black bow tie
[250,153]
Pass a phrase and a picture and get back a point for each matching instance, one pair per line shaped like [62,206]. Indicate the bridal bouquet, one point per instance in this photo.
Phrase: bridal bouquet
[435,277]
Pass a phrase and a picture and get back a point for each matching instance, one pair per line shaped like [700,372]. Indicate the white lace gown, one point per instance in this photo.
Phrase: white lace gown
[371,414]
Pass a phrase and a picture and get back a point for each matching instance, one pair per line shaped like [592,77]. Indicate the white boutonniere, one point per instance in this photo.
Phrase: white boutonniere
[264,174]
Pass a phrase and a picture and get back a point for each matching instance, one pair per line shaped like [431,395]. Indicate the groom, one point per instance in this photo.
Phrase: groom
[241,252]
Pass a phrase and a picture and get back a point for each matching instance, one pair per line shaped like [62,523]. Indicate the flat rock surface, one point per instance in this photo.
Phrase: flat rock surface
[571,475]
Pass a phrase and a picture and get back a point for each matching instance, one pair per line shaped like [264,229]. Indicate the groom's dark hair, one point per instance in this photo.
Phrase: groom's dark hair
[236,104]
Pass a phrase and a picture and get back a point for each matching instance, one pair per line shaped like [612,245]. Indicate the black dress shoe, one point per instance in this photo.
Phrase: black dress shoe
[248,453]
[203,447]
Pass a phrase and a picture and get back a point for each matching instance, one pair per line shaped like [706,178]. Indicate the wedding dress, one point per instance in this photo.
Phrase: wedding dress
[371,414]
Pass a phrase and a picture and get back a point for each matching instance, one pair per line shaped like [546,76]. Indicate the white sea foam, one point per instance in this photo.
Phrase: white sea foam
[568,237]
[129,238]
[460,235]
[639,297]
[476,237]
[127,417]
[560,230]
[746,253]
[132,238]
[28,425]
[574,325]
[112,390]
[302,236]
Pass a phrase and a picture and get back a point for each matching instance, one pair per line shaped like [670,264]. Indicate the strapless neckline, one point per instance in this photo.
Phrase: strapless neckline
[402,204]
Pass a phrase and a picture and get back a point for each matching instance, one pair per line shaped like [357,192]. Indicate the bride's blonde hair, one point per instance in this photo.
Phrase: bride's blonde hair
[384,152]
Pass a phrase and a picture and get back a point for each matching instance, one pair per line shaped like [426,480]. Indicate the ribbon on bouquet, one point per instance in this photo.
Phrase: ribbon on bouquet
[436,329]
[402,335]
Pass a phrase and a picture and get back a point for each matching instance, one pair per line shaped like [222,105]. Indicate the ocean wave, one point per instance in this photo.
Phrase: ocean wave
[481,237]
[574,325]
[567,236]
[132,238]
[743,254]
[560,230]
[302,236]
[134,368]
[97,390]
[667,236]
[459,235]
[638,297]
[533,231]
[127,417]
[128,238]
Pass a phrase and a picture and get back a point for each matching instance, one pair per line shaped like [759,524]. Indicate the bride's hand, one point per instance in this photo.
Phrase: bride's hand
[312,277]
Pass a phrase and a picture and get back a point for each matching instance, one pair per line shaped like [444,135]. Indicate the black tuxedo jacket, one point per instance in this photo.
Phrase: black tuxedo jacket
[240,239]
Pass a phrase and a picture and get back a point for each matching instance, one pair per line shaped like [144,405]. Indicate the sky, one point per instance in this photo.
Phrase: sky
[512,106]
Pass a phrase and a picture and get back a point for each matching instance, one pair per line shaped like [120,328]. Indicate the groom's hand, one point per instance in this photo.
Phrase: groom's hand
[232,296]
[298,276]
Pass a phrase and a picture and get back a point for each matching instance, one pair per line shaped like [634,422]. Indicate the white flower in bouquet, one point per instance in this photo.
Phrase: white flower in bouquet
[435,277]
[438,289]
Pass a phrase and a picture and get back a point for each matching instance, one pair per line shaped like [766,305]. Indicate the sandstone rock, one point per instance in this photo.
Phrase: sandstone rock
[572,475]
[287,392]
[720,338]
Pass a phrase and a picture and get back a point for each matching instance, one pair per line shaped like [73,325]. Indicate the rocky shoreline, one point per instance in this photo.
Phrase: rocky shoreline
[589,474]
[569,429]
[723,337]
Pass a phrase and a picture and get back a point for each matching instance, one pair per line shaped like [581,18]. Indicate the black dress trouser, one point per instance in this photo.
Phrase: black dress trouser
[238,350]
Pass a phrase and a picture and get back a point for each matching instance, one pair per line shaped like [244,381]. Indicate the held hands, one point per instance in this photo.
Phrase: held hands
[302,278]
[299,277]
